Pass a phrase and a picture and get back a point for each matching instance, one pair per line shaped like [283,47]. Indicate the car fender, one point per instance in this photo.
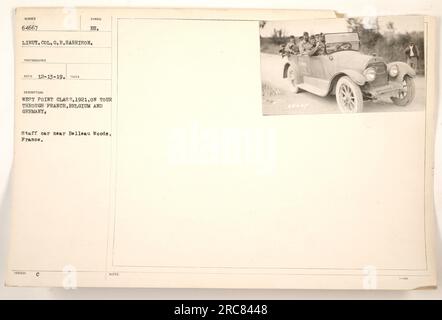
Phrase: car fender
[356,76]
[284,71]
[298,72]
[404,69]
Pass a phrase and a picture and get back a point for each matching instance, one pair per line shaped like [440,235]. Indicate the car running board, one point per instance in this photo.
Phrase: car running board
[316,86]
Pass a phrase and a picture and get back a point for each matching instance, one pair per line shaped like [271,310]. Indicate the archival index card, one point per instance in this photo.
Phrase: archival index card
[145,155]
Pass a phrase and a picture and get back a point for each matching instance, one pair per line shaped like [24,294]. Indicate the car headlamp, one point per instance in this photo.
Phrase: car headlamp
[370,74]
[394,71]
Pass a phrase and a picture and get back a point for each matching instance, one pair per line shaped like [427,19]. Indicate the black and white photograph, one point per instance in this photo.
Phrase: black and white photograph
[351,65]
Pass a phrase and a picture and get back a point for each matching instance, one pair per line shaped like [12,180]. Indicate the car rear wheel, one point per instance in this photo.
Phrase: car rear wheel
[292,79]
[406,95]
[349,96]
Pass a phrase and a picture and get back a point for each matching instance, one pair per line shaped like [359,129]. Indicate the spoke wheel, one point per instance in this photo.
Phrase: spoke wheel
[348,96]
[406,94]
[292,79]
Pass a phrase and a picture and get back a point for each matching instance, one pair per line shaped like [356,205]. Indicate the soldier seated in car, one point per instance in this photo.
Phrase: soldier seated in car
[316,47]
[304,44]
[321,44]
[290,47]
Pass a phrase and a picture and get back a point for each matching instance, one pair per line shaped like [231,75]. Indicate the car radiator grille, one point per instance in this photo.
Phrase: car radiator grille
[381,74]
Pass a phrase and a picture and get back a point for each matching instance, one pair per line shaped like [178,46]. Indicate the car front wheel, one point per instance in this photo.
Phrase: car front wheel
[406,95]
[349,96]
[292,79]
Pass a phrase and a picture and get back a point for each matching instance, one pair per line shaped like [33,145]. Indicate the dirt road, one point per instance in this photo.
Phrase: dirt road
[277,99]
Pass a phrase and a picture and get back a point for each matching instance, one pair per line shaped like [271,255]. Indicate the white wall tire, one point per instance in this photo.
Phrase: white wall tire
[406,95]
[292,79]
[349,96]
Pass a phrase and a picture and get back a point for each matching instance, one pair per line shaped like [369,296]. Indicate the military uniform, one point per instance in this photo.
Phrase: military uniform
[290,48]
[304,47]
[319,50]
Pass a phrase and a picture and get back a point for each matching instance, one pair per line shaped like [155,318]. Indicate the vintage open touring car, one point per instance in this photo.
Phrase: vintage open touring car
[349,74]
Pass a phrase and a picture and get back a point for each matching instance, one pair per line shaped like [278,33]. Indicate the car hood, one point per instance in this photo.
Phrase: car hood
[353,60]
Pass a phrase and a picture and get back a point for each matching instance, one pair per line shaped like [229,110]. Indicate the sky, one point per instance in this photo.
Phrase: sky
[402,24]
[297,27]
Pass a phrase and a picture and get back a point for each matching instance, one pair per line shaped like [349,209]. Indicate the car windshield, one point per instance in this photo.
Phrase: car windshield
[341,41]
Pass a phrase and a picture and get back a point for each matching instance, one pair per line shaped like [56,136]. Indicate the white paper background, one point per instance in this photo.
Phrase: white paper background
[355,8]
